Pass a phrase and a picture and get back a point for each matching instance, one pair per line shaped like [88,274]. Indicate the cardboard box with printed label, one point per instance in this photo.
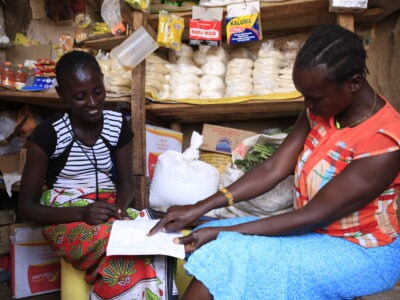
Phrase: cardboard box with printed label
[18,54]
[222,139]
[35,269]
[159,140]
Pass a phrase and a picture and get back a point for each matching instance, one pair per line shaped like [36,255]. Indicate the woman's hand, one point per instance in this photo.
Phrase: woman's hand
[177,217]
[99,212]
[122,214]
[198,238]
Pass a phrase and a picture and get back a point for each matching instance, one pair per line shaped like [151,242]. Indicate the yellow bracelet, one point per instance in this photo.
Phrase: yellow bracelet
[227,195]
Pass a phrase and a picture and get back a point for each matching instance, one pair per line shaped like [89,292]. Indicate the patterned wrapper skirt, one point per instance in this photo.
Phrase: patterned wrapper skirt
[84,246]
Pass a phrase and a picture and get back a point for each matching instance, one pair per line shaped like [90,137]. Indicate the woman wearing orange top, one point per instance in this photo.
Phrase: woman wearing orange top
[341,240]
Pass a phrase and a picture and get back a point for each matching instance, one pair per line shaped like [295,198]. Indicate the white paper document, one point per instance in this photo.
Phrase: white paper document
[130,238]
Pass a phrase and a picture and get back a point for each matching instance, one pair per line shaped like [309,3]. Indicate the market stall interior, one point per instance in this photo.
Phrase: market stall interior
[230,87]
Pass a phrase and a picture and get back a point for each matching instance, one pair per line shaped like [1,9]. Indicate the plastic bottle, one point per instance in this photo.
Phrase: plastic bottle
[8,75]
[30,76]
[20,77]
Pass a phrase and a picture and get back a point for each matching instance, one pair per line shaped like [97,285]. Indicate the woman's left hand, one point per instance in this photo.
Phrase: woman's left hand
[198,238]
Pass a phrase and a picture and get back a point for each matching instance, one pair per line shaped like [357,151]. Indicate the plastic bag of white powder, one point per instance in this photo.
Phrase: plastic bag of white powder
[181,178]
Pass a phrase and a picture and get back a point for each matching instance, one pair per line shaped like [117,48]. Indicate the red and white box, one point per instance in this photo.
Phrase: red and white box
[35,269]
[205,26]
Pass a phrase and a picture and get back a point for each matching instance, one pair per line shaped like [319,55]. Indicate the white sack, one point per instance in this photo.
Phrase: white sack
[180,178]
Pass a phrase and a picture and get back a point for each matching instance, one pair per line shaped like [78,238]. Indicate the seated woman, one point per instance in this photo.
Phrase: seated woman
[342,240]
[84,157]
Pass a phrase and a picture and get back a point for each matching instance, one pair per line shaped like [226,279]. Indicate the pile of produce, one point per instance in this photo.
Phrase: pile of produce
[259,153]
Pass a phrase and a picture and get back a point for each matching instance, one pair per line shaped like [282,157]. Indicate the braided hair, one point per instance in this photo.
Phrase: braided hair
[340,49]
[72,61]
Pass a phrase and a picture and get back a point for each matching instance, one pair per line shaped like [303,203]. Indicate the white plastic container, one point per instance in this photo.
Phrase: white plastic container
[135,48]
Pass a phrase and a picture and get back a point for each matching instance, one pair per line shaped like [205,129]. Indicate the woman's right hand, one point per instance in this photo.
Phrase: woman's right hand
[99,212]
[177,217]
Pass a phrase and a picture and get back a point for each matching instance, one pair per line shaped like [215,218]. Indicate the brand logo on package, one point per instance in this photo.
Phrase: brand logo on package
[224,145]
[44,277]
[205,32]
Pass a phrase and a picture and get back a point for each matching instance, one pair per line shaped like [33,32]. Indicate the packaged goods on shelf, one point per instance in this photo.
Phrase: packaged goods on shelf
[243,23]
[205,26]
[216,74]
[157,77]
[170,30]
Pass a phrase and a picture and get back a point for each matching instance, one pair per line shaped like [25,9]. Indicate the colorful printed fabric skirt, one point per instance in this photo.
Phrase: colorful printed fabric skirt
[84,246]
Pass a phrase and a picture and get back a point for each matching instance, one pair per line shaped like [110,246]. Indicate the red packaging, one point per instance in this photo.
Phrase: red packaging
[205,27]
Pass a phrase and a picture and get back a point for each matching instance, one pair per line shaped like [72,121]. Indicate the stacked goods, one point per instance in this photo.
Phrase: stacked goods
[289,51]
[157,75]
[116,78]
[266,69]
[210,72]
[212,83]
[238,77]
[185,75]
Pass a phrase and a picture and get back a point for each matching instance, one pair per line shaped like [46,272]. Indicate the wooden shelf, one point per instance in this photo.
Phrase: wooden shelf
[106,43]
[176,113]
[287,16]
[50,99]
[250,110]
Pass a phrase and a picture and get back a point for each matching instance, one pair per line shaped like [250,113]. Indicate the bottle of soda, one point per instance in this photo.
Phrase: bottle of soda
[8,75]
[20,77]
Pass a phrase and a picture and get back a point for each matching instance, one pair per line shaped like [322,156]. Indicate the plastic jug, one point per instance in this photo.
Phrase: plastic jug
[134,49]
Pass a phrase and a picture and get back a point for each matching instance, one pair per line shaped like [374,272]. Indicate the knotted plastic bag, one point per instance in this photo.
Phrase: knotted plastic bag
[181,178]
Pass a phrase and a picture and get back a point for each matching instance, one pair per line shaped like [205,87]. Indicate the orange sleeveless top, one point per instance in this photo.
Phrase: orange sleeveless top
[328,151]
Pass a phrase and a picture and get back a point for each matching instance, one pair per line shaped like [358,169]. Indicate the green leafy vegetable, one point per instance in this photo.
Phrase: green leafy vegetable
[255,156]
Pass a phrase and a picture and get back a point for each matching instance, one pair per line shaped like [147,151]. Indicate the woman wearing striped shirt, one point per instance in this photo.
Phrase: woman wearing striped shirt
[84,158]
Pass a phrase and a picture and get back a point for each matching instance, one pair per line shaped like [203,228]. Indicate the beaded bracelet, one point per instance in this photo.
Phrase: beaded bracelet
[227,195]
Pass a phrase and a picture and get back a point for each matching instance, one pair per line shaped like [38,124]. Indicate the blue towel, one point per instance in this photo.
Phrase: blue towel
[311,266]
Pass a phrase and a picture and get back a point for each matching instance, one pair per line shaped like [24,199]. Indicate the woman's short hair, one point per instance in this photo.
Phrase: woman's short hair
[340,49]
[70,62]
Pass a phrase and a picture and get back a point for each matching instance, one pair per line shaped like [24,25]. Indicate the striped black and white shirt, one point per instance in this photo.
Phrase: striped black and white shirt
[72,164]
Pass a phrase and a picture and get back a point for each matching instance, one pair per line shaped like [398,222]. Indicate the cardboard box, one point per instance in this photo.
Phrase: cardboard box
[18,54]
[35,269]
[4,239]
[13,162]
[7,216]
[222,139]
[205,26]
[159,140]
[348,6]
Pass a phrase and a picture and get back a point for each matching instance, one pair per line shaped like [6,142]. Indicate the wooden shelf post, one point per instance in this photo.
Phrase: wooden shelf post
[346,21]
[138,114]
